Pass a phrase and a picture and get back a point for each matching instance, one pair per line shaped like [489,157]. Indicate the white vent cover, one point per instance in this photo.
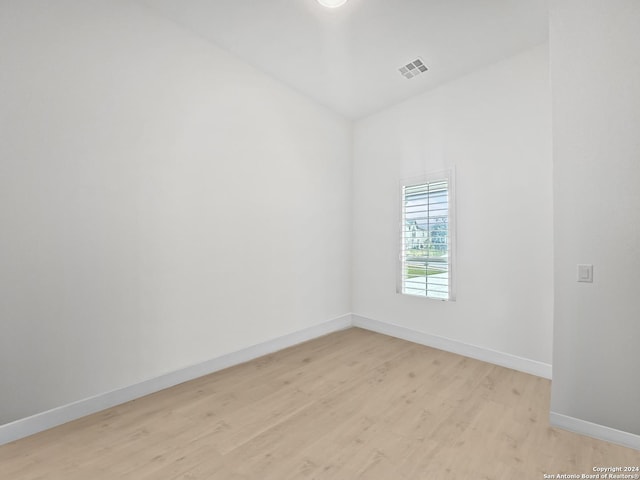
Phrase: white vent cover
[413,69]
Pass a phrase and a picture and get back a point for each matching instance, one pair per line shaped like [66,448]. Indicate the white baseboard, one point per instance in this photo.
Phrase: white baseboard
[521,364]
[66,413]
[594,430]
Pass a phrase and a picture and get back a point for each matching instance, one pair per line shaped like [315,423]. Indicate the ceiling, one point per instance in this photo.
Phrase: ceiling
[348,58]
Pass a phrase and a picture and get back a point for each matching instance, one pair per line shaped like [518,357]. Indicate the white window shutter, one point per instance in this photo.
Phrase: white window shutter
[426,238]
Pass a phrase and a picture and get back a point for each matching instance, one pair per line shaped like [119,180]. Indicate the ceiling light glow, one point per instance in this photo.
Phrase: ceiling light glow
[332,3]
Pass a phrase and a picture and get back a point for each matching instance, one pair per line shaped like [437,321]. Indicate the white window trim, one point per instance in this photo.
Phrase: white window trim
[449,175]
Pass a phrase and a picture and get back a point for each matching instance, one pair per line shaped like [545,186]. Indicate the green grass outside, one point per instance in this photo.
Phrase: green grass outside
[421,272]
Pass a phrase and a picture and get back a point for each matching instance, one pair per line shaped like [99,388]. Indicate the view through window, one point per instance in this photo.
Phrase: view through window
[425,251]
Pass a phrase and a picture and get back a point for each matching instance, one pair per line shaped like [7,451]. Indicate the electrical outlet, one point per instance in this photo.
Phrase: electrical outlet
[585,273]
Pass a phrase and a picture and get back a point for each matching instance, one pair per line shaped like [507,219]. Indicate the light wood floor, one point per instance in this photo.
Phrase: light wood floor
[350,405]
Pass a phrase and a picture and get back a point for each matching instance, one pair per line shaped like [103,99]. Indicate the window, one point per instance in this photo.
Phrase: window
[426,253]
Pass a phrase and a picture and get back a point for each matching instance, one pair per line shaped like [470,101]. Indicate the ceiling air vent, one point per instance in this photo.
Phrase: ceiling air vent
[413,69]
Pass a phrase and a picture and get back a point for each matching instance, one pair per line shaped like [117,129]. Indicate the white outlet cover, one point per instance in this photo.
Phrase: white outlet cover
[585,273]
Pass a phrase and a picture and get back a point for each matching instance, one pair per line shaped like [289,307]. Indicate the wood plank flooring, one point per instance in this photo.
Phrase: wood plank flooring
[350,405]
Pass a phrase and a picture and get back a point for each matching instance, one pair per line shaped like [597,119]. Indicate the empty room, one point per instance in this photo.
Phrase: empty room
[319,239]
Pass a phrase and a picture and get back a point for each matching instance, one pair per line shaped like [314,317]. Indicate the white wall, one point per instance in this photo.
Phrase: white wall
[494,127]
[595,73]
[161,203]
